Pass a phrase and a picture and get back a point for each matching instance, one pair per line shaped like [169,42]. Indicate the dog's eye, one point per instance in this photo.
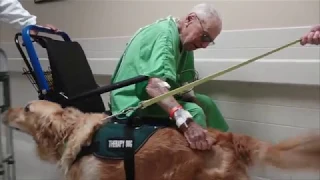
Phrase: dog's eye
[27,108]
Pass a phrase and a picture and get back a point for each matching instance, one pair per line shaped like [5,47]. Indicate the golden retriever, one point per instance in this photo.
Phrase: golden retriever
[165,156]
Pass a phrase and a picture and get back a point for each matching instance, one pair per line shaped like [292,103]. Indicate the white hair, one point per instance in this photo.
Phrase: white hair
[207,13]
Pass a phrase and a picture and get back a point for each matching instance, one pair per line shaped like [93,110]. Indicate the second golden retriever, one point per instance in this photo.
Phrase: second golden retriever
[60,133]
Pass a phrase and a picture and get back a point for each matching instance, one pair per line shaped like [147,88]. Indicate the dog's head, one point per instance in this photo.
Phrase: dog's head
[59,132]
[34,115]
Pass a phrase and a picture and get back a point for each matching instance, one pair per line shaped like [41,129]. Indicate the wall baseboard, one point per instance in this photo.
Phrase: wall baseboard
[294,65]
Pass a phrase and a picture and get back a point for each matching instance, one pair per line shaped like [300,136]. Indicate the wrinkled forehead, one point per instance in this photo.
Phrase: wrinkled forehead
[213,20]
[213,26]
[43,107]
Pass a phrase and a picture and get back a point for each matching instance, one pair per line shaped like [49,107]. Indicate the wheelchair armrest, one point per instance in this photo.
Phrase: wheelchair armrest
[108,88]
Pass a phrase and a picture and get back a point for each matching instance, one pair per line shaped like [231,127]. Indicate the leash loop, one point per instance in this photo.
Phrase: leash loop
[125,111]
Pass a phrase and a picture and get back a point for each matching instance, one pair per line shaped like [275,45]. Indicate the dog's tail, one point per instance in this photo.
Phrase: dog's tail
[301,152]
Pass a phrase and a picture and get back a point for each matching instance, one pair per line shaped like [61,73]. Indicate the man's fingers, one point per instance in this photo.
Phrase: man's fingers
[315,28]
[310,37]
[32,32]
[192,136]
[316,38]
[198,139]
[303,40]
[199,145]
[210,141]
[187,137]
[196,135]
[50,26]
[191,143]
[204,144]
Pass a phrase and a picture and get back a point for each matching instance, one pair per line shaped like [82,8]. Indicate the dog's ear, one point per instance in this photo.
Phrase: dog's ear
[48,133]
[81,136]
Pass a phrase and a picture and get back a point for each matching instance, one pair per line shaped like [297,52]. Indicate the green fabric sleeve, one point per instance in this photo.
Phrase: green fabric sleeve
[157,59]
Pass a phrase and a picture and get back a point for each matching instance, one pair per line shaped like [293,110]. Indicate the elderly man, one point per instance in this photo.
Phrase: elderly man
[163,51]
[312,37]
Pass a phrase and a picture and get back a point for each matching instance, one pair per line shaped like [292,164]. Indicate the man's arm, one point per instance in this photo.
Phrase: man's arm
[157,87]
[195,134]
[12,12]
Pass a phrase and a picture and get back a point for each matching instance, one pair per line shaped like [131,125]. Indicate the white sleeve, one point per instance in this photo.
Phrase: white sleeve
[12,12]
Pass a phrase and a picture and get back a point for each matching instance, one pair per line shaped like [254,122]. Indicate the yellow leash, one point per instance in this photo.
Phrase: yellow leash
[154,100]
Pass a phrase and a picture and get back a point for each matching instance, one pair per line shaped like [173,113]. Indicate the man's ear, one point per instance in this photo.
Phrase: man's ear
[190,18]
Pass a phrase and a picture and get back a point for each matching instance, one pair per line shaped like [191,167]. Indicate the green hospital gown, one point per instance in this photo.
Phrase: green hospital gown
[154,51]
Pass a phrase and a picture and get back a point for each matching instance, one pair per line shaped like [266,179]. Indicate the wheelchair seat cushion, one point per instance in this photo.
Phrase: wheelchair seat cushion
[72,74]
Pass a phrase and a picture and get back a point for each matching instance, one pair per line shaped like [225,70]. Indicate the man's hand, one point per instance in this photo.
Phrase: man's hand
[194,133]
[49,26]
[312,37]
[197,137]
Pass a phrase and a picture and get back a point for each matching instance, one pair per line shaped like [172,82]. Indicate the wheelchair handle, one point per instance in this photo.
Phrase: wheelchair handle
[26,36]
[26,31]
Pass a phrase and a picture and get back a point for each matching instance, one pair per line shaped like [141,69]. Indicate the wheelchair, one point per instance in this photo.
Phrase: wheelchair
[67,64]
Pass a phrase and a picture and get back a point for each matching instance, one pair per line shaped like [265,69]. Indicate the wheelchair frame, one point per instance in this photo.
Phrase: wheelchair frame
[42,80]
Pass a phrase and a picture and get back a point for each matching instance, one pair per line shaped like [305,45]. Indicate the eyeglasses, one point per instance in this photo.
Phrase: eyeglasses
[205,37]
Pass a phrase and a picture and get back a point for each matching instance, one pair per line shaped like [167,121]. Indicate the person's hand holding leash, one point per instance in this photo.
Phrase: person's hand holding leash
[312,37]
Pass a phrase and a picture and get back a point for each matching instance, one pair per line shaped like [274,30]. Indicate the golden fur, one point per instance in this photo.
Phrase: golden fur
[59,134]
